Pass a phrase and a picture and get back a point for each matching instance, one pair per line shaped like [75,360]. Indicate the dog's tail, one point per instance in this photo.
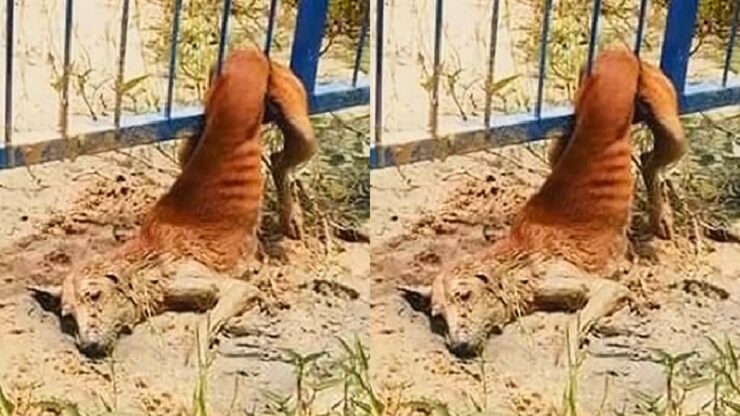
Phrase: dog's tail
[657,105]
[287,105]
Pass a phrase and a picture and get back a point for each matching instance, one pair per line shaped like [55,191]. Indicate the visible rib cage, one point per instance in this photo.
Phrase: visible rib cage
[581,212]
[201,233]
[211,213]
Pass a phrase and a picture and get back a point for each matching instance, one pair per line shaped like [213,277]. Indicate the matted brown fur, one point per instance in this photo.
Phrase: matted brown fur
[581,212]
[212,210]
[205,225]
[575,225]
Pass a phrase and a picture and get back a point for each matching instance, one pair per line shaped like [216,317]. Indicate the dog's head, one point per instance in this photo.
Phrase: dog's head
[466,303]
[95,304]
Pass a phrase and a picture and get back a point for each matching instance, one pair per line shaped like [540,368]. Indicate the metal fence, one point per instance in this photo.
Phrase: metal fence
[543,122]
[175,122]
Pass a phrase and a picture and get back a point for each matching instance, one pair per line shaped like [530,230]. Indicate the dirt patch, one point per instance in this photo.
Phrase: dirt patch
[73,211]
[426,215]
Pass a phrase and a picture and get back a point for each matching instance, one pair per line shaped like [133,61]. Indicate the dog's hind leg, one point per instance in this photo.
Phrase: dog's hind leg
[658,105]
[287,106]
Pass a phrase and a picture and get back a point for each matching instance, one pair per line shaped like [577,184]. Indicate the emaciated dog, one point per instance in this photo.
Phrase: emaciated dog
[196,242]
[571,234]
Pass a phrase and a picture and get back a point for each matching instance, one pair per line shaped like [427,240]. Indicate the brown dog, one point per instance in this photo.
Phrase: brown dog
[576,223]
[199,237]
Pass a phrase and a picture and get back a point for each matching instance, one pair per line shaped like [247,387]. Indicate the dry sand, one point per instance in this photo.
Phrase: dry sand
[58,214]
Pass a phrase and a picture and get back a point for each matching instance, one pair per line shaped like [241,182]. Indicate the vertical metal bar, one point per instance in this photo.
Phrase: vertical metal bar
[9,56]
[361,43]
[640,26]
[731,44]
[309,33]
[173,58]
[491,64]
[543,58]
[594,35]
[121,63]
[679,31]
[270,26]
[64,110]
[378,85]
[437,68]
[224,36]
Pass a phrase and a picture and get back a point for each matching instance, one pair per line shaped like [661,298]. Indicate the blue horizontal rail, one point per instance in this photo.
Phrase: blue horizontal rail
[151,128]
[521,128]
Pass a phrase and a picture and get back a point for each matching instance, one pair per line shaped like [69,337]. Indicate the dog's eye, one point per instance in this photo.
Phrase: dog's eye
[112,277]
[464,295]
[482,277]
[93,294]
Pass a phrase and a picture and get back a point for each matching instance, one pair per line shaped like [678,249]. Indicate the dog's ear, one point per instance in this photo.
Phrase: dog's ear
[49,297]
[419,297]
[657,105]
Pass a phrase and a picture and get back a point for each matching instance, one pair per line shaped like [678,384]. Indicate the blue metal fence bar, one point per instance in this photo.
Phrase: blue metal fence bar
[640,26]
[270,26]
[151,128]
[361,43]
[309,33]
[505,129]
[172,71]
[223,38]
[594,34]
[679,31]
[121,64]
[491,64]
[378,84]
[520,128]
[543,58]
[335,97]
[437,67]
[64,108]
[731,44]
[9,56]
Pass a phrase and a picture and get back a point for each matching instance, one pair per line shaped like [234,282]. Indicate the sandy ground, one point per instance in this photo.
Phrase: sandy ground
[58,214]
[425,215]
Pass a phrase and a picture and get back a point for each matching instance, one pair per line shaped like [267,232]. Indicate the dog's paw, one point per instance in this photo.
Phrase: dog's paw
[662,227]
[292,227]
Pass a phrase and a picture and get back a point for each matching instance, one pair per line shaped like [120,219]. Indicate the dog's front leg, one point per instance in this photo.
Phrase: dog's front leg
[604,298]
[234,297]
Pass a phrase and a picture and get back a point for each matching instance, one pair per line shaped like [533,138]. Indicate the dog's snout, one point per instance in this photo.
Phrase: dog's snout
[92,349]
[463,349]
